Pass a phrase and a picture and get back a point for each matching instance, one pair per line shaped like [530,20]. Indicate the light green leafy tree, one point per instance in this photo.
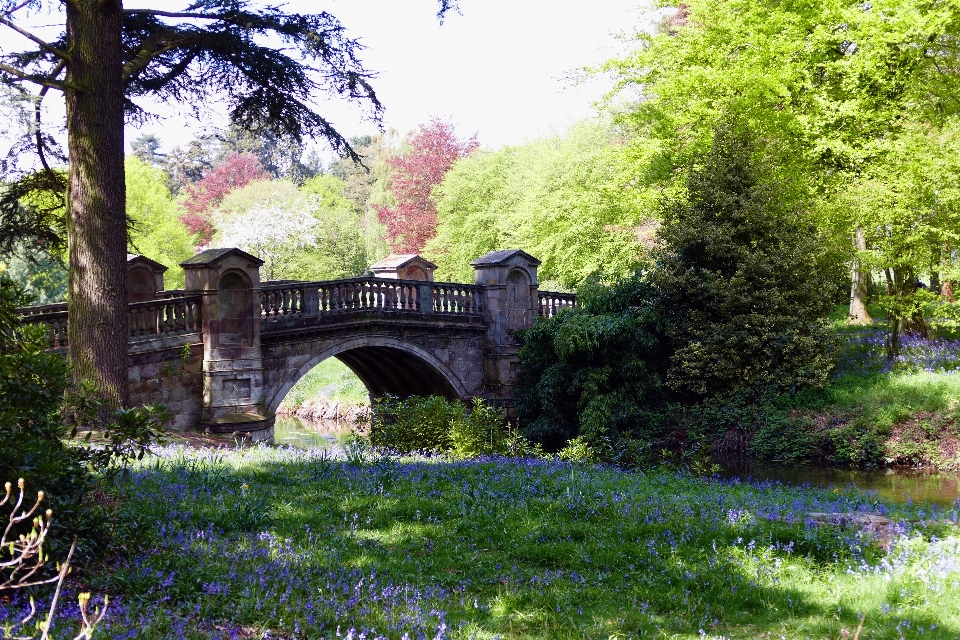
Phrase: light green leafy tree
[835,83]
[155,230]
[569,200]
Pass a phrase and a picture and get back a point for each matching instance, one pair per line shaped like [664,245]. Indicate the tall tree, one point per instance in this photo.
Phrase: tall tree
[416,171]
[107,57]
[156,230]
[568,199]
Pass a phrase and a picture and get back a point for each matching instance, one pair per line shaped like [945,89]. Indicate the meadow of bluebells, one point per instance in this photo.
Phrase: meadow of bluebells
[863,353]
[286,543]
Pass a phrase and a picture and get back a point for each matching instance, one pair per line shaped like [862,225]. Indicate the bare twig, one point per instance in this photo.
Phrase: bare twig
[36,114]
[29,546]
[48,624]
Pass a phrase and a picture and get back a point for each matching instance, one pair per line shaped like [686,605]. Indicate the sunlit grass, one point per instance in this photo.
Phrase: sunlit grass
[294,544]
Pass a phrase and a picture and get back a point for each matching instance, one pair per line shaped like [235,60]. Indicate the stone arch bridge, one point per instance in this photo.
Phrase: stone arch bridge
[223,352]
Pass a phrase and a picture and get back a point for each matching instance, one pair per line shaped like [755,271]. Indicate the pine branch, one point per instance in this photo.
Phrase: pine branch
[26,34]
[172,14]
[44,81]
[36,117]
[13,10]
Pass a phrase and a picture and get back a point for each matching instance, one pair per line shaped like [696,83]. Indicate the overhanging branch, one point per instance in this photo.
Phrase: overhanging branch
[43,81]
[172,14]
[29,36]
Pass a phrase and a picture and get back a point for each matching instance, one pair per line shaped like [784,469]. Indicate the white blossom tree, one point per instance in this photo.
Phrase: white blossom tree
[273,233]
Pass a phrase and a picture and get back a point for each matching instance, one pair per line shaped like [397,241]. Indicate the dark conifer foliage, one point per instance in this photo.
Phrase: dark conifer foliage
[742,276]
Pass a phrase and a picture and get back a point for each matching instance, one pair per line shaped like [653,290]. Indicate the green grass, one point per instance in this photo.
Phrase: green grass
[331,379]
[296,545]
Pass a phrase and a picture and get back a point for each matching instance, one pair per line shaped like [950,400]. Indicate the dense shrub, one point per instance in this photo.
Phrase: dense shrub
[32,384]
[434,424]
[593,372]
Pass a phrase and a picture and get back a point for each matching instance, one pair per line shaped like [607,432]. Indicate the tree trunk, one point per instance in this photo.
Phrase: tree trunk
[946,290]
[96,221]
[935,260]
[859,284]
[904,315]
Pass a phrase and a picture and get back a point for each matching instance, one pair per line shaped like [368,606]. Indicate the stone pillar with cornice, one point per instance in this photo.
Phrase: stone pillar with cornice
[510,287]
[229,282]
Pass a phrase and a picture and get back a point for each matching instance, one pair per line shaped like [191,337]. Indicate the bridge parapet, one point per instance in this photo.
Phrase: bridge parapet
[284,299]
[174,314]
[550,302]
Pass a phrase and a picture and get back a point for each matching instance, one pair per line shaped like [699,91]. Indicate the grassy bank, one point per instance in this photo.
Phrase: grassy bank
[876,412]
[281,543]
[330,381]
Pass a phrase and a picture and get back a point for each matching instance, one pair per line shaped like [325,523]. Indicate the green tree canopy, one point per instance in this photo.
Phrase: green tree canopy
[155,230]
[568,200]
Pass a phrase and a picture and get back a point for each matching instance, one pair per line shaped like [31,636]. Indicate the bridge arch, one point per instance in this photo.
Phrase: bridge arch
[384,365]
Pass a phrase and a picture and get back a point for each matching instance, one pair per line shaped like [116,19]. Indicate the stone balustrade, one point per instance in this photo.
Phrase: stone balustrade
[284,299]
[172,316]
[550,302]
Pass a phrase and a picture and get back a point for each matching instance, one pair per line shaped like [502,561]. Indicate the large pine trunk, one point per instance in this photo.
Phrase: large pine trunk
[96,222]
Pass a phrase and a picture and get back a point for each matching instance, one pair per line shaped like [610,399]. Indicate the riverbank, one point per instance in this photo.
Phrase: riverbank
[286,543]
[326,409]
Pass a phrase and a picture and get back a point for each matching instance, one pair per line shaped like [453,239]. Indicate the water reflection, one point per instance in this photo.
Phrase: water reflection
[310,434]
[900,485]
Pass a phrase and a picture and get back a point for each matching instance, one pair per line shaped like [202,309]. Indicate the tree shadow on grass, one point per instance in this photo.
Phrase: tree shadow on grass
[510,548]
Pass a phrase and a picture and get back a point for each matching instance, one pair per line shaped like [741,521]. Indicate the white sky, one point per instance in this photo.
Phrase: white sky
[497,70]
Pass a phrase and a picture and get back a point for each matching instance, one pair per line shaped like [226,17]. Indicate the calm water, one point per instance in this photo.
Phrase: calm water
[310,434]
[899,485]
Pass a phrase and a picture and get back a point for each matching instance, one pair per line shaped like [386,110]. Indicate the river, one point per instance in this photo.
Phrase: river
[900,485]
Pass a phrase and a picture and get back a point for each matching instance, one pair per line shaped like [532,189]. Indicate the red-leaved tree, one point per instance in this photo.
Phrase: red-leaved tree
[235,171]
[433,150]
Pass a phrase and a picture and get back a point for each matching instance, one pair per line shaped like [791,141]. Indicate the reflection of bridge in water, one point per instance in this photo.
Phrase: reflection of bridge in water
[223,352]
